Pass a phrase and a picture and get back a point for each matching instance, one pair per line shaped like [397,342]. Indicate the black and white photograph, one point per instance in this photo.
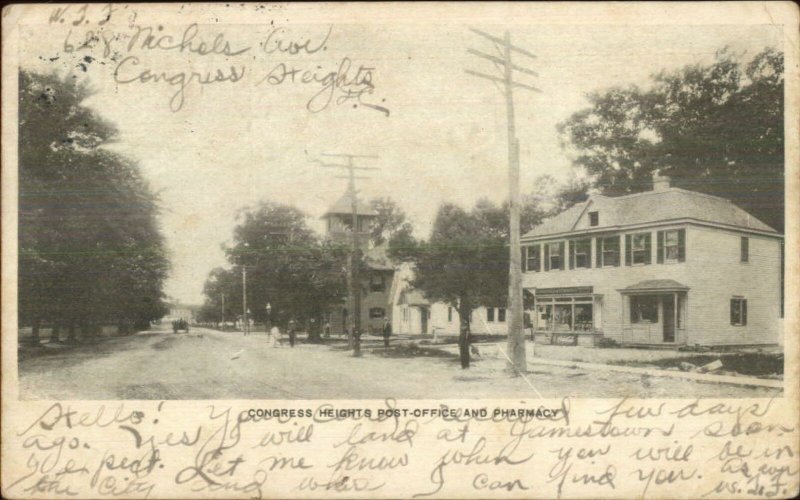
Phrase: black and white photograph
[325,213]
[285,203]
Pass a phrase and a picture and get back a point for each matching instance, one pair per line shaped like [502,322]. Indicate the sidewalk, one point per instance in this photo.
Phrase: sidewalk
[497,351]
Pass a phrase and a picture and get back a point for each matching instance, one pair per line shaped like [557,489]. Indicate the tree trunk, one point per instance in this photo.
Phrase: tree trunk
[71,332]
[465,313]
[55,333]
[35,332]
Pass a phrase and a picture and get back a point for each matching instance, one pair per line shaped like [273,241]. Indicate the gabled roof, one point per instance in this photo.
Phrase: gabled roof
[651,207]
[344,207]
[413,297]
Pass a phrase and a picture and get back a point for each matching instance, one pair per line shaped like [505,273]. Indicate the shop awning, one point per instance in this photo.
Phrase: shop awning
[655,286]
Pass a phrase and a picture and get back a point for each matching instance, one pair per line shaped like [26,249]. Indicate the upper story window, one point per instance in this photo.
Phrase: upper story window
[533,258]
[377,283]
[744,249]
[637,248]
[672,245]
[554,255]
[580,253]
[490,314]
[607,251]
[738,311]
[594,218]
[501,314]
[449,314]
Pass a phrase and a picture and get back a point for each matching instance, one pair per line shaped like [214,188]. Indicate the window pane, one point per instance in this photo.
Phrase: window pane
[583,317]
[501,314]
[563,318]
[671,252]
[583,249]
[644,309]
[671,238]
[610,248]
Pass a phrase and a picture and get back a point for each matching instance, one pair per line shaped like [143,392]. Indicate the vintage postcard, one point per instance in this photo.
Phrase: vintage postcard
[400,250]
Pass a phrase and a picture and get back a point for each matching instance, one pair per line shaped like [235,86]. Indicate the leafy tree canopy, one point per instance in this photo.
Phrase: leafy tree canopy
[714,128]
[91,250]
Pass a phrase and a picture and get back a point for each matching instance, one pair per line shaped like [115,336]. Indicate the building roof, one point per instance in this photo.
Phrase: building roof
[656,286]
[344,207]
[413,297]
[651,207]
[376,259]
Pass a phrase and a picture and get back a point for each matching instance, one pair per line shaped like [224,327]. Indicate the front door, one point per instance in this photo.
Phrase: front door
[423,317]
[668,307]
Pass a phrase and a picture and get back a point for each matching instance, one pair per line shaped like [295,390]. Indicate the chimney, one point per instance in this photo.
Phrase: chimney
[660,182]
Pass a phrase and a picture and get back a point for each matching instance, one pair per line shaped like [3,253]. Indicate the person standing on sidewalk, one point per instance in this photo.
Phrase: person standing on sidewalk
[387,331]
[292,333]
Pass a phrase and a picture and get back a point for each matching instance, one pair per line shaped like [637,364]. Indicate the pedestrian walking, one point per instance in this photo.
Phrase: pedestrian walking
[292,333]
[274,334]
[387,331]
[327,329]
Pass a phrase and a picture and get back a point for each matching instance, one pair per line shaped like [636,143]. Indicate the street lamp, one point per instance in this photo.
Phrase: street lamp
[268,308]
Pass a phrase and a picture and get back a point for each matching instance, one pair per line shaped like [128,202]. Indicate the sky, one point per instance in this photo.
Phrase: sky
[232,144]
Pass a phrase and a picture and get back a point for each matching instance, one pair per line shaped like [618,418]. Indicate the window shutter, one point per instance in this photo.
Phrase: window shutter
[648,255]
[598,247]
[571,245]
[681,245]
[628,250]
[546,256]
[537,258]
[619,255]
[660,250]
[733,311]
[744,312]
[561,251]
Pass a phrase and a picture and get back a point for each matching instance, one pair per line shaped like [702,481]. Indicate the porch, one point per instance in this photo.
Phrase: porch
[654,312]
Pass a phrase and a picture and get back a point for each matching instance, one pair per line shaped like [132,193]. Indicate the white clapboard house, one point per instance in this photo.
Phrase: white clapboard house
[666,267]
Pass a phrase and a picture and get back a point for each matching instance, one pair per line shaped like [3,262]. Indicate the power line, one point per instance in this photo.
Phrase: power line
[504,63]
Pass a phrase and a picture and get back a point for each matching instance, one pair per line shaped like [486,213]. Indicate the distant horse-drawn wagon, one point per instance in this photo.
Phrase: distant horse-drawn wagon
[180,324]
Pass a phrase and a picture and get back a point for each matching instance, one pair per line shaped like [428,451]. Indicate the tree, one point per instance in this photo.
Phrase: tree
[288,266]
[717,129]
[390,223]
[222,288]
[464,263]
[90,249]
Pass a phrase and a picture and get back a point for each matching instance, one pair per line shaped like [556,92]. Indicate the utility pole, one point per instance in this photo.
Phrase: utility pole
[516,336]
[353,260]
[245,325]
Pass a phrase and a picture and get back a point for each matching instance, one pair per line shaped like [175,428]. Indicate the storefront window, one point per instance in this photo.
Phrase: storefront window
[565,314]
[563,318]
[583,317]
